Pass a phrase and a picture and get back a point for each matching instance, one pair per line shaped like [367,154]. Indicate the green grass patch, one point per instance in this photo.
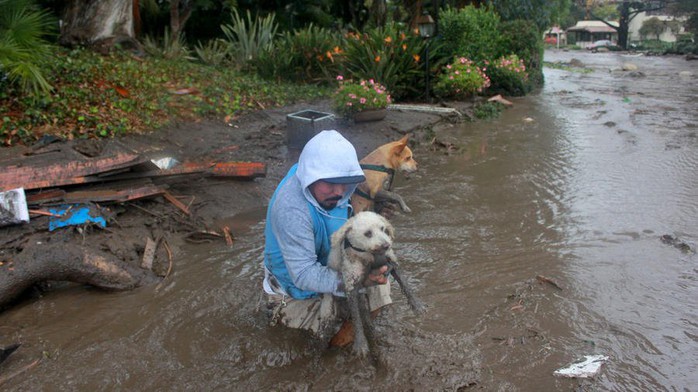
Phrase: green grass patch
[105,96]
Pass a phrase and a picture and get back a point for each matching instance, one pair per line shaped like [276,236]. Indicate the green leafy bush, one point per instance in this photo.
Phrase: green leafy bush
[522,38]
[508,76]
[391,55]
[249,37]
[353,97]
[213,52]
[23,50]
[311,55]
[488,110]
[470,32]
[461,79]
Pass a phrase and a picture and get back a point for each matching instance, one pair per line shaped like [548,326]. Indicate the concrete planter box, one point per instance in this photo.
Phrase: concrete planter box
[302,126]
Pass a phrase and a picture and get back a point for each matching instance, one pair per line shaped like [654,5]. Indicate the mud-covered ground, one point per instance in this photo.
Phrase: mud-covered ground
[256,137]
[579,183]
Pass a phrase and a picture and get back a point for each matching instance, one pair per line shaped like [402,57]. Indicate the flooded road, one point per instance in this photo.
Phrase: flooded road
[573,186]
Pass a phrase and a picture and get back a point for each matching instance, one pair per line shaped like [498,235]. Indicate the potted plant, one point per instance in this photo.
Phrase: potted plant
[461,79]
[365,100]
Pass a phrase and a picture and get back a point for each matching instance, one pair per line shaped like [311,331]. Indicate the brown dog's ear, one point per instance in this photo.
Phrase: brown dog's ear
[400,145]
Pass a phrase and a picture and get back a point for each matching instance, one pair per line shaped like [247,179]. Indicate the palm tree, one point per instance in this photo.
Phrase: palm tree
[22,45]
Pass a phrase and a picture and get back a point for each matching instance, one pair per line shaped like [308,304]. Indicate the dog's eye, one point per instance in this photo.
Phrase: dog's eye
[368,234]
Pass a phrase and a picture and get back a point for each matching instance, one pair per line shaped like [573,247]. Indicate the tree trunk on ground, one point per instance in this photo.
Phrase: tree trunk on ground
[62,262]
[96,23]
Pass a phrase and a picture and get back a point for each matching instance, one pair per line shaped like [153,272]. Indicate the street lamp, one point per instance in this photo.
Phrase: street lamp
[426,26]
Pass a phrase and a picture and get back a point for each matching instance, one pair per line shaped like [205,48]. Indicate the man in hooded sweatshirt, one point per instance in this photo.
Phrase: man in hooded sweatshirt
[310,204]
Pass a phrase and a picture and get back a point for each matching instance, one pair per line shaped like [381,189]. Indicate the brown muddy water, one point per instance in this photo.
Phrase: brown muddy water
[576,184]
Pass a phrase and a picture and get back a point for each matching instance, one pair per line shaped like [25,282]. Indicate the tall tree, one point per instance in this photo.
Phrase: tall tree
[628,10]
[97,22]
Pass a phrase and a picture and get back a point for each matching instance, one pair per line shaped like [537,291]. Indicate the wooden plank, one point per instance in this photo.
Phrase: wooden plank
[177,203]
[64,173]
[107,195]
[149,253]
[218,169]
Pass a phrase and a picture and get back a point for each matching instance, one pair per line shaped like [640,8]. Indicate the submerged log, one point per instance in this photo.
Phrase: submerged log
[63,262]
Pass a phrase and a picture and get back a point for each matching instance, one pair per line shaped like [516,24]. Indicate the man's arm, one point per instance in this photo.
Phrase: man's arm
[293,229]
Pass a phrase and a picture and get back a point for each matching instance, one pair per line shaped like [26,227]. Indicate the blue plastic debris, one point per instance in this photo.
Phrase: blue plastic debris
[74,215]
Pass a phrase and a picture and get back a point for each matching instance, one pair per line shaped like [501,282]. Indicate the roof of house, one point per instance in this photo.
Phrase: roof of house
[593,26]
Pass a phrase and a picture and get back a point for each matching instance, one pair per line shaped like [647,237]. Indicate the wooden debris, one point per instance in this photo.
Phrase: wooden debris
[549,281]
[176,202]
[228,235]
[68,173]
[500,99]
[149,253]
[44,213]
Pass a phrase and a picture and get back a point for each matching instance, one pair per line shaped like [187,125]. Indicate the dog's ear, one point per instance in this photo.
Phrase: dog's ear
[400,145]
[339,235]
[388,228]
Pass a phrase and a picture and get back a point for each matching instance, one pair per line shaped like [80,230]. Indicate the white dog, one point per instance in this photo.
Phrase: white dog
[362,244]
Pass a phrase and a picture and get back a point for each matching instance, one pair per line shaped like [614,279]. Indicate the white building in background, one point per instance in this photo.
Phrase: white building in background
[667,36]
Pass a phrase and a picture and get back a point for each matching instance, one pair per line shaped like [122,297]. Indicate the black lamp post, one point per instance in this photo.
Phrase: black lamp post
[426,30]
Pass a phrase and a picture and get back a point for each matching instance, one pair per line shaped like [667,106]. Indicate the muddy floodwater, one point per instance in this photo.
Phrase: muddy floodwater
[535,241]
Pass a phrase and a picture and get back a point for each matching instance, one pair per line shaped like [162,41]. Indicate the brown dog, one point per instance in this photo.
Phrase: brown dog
[379,168]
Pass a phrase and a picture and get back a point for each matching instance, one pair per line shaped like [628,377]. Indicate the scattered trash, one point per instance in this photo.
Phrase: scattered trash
[528,120]
[75,215]
[165,163]
[583,368]
[13,207]
[626,100]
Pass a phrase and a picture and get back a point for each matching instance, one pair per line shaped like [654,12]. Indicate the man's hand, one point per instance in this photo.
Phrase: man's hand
[377,276]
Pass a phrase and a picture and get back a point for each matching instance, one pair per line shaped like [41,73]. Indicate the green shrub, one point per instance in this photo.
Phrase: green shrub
[311,55]
[390,55]
[685,45]
[353,97]
[470,32]
[508,76]
[461,79]
[247,38]
[488,110]
[523,39]
[23,50]
[169,47]
[213,52]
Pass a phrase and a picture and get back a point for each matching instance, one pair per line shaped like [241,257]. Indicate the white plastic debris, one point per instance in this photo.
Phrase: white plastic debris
[13,207]
[165,163]
[583,368]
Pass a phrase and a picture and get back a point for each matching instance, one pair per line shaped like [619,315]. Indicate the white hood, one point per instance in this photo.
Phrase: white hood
[327,155]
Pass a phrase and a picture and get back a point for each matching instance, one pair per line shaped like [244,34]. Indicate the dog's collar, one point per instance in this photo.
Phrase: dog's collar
[348,244]
[363,194]
[379,168]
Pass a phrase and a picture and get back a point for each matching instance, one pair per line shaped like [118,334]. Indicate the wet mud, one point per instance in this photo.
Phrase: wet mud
[552,232]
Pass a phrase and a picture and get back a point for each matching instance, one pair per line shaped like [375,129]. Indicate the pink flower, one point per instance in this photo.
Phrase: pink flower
[340,77]
[362,100]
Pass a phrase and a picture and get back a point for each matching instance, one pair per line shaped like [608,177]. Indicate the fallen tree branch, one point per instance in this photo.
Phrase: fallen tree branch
[59,262]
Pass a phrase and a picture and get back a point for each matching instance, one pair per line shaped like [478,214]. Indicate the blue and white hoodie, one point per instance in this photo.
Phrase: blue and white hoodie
[298,230]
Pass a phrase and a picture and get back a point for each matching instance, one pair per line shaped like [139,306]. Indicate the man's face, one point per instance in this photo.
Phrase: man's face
[326,194]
